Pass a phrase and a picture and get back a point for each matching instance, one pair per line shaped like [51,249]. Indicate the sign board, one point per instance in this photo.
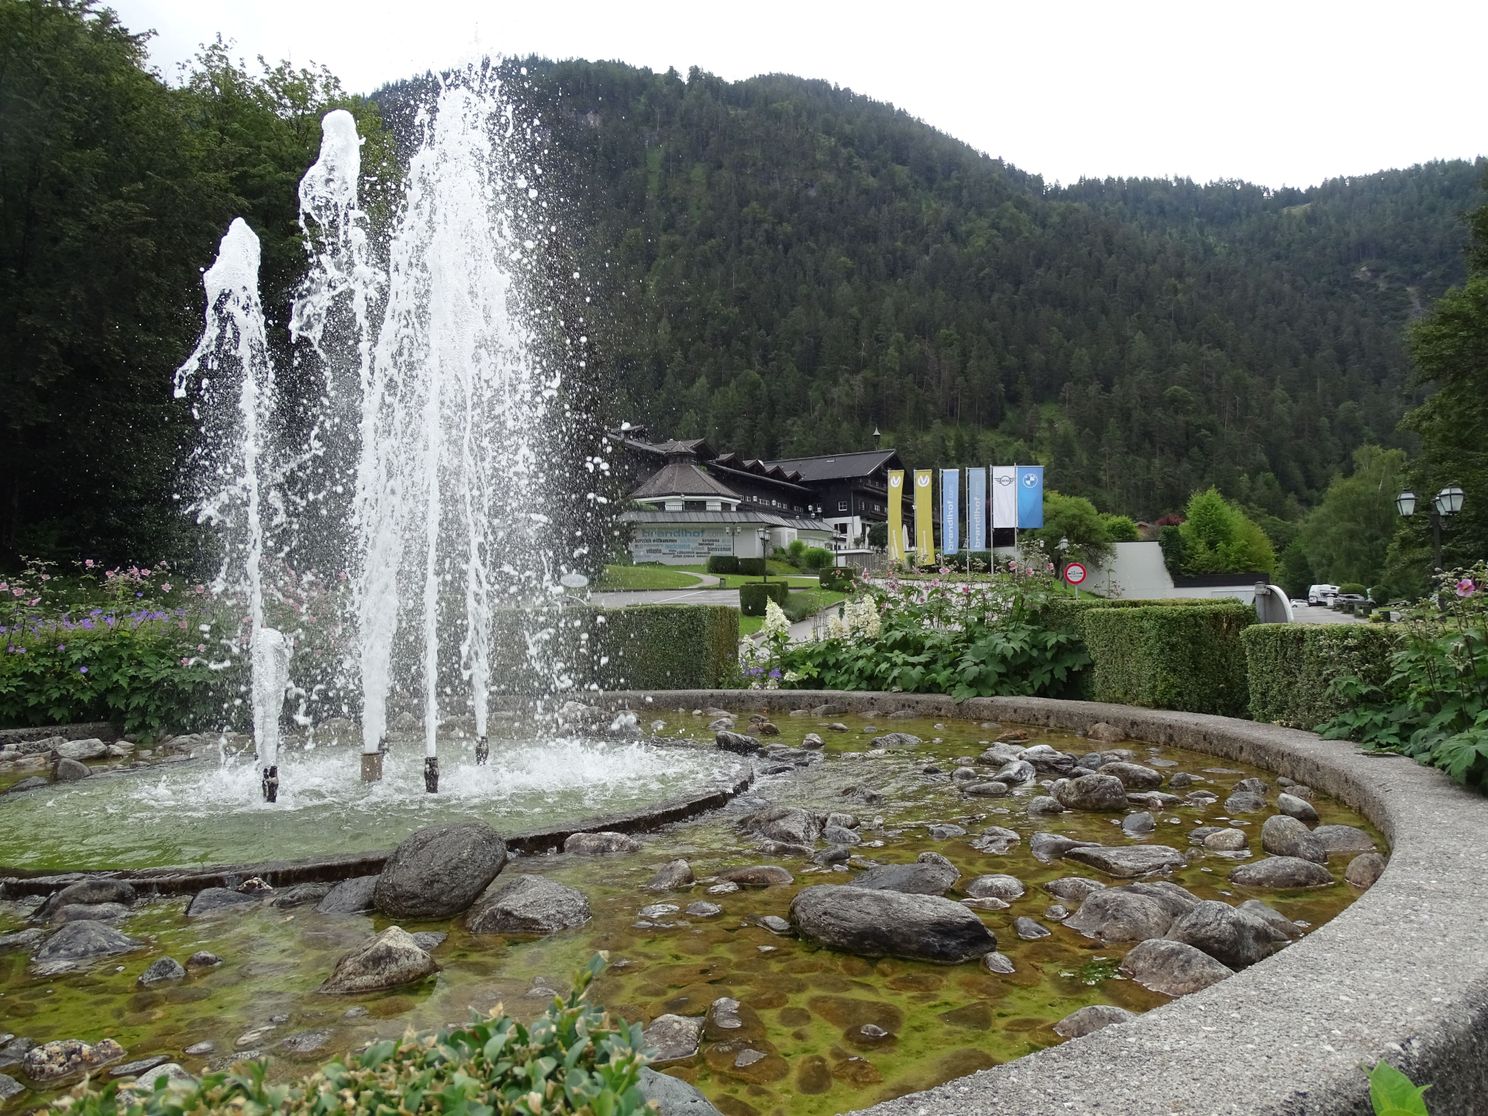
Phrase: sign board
[1074,573]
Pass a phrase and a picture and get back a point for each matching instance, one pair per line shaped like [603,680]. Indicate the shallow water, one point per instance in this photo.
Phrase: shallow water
[804,1007]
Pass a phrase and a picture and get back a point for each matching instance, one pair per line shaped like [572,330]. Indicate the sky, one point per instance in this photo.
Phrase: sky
[1279,94]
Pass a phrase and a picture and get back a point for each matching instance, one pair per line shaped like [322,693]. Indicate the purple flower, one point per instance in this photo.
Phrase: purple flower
[82,670]
[1466,587]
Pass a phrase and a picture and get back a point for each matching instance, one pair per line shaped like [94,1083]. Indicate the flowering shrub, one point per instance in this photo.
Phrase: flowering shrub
[757,657]
[964,637]
[1434,704]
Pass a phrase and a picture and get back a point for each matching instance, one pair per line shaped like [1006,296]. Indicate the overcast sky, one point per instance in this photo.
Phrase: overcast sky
[1275,93]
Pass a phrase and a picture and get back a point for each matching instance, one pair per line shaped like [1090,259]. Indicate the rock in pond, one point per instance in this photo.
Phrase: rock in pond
[736,742]
[91,891]
[437,872]
[1236,939]
[895,740]
[1283,835]
[912,879]
[97,912]
[1118,915]
[1282,873]
[997,886]
[758,875]
[528,905]
[1172,968]
[673,1037]
[1342,839]
[1226,840]
[1090,1019]
[674,875]
[890,924]
[165,969]
[1133,776]
[54,1061]
[1364,869]
[995,839]
[790,824]
[1049,847]
[351,896]
[9,1088]
[603,843]
[70,771]
[390,959]
[1091,792]
[1299,808]
[1127,861]
[674,1097]
[81,941]
[300,895]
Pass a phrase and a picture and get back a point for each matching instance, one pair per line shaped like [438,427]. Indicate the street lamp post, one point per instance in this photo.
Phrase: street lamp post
[764,541]
[1446,502]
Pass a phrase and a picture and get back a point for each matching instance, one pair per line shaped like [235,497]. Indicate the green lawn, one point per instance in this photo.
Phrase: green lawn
[802,605]
[645,577]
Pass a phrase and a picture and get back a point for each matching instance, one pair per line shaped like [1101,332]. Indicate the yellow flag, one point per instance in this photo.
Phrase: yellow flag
[924,517]
[896,515]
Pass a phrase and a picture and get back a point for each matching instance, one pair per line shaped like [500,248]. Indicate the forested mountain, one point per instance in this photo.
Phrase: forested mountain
[781,265]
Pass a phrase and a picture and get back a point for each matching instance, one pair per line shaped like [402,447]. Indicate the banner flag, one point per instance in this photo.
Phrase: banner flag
[896,515]
[924,517]
[950,511]
[1004,496]
[976,509]
[1030,496]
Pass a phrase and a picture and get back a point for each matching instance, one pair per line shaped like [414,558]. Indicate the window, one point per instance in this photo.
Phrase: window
[842,505]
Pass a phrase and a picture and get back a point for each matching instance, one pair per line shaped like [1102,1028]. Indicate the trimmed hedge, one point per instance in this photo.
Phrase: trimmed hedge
[752,597]
[839,579]
[723,564]
[1291,667]
[1161,657]
[752,567]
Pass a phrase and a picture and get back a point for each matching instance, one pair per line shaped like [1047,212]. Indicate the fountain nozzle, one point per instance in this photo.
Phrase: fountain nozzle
[431,774]
[271,784]
[482,751]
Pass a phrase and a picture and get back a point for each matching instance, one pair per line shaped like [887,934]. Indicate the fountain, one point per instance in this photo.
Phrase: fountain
[431,374]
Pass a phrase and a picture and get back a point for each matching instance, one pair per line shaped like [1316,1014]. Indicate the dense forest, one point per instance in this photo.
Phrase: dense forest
[777,264]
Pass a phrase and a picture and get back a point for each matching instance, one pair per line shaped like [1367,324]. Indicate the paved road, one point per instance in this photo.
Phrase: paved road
[1319,614]
[728,597]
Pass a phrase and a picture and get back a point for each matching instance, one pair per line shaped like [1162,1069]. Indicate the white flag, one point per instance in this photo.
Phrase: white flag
[1004,496]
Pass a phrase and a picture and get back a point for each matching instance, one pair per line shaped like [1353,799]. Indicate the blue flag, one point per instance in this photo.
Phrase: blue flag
[1030,496]
[950,511]
[976,509]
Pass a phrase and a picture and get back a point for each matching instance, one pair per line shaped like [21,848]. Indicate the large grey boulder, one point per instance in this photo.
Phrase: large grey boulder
[1133,776]
[437,872]
[671,876]
[1364,870]
[783,823]
[1091,792]
[528,905]
[674,1097]
[90,749]
[1176,899]
[1072,889]
[995,886]
[737,742]
[1299,808]
[165,969]
[95,890]
[1339,839]
[1237,939]
[602,843]
[390,959]
[1283,873]
[1283,835]
[912,879]
[215,900]
[894,740]
[98,912]
[1172,968]
[56,1061]
[83,940]
[672,1038]
[1127,861]
[1090,1019]
[995,839]
[1118,915]
[1049,847]
[70,771]
[890,924]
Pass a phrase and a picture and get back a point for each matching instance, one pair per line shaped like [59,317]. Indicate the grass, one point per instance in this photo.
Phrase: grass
[802,604]
[647,576]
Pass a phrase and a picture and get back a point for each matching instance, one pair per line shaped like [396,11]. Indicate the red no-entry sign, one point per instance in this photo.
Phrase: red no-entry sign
[1074,573]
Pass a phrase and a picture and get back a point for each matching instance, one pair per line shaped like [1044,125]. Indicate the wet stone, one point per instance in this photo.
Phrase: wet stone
[1364,869]
[1226,840]
[306,1043]
[999,963]
[132,1069]
[165,969]
[203,959]
[198,1049]
[1090,1019]
[1138,824]
[10,1087]
[674,1037]
[1029,930]
[1296,807]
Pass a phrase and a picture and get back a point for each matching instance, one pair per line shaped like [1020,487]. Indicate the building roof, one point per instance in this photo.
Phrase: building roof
[757,518]
[840,466]
[682,478]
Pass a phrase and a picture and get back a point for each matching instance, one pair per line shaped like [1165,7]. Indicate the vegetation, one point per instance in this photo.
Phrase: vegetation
[1392,1093]
[617,577]
[1169,658]
[1217,537]
[1433,705]
[1290,668]
[754,594]
[574,1058]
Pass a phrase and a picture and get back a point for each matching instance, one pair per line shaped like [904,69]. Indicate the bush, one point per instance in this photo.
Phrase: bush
[752,567]
[723,564]
[1290,668]
[837,578]
[803,604]
[1170,658]
[816,558]
[752,597]
[574,1058]
[1355,587]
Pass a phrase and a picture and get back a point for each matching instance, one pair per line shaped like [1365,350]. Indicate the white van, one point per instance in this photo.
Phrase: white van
[1321,594]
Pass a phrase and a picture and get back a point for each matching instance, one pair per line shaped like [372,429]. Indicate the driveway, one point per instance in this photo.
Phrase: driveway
[729,597]
[1319,614]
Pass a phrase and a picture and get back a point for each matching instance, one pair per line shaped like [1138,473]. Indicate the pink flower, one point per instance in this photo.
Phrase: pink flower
[165,586]
[87,563]
[18,592]
[200,647]
[1466,587]
[185,662]
[199,589]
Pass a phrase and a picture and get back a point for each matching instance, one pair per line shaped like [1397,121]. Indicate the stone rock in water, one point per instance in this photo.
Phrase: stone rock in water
[1245,802]
[1138,824]
[1283,835]
[1029,930]
[98,912]
[21,939]
[674,1097]
[1133,776]
[53,1061]
[600,844]
[1090,1019]
[1282,873]
[912,879]
[1226,840]
[1299,808]
[895,740]
[1235,938]
[1344,839]
[999,963]
[1118,915]
[438,871]
[300,895]
[1364,869]
[997,886]
[671,876]
[1127,862]
[390,959]
[783,823]
[212,900]
[9,1087]
[351,896]
[1091,792]
[84,941]
[890,924]
[1175,899]
[89,749]
[673,1037]
[1073,889]
[528,905]
[1273,917]
[1049,847]
[995,839]
[1172,968]
[1105,732]
[758,875]
[70,771]
[737,742]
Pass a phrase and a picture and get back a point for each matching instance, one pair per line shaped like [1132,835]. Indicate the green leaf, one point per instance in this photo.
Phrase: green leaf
[1394,1094]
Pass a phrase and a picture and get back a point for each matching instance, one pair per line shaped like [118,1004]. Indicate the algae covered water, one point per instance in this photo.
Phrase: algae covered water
[822,1031]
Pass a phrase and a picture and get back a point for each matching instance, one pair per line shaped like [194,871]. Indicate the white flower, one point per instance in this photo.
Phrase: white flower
[775,624]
